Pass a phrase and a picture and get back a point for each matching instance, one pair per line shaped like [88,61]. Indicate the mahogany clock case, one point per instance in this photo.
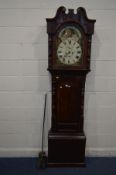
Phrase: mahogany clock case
[66,138]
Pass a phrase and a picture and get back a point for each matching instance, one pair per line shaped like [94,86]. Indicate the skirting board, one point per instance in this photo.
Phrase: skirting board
[101,152]
[33,152]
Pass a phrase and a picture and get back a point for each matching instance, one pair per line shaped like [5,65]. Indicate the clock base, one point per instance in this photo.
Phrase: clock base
[81,164]
[66,149]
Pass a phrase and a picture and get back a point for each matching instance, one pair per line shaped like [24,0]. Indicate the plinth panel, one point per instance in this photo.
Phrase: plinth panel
[66,149]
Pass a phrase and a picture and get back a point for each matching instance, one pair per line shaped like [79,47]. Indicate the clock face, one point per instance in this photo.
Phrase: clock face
[69,50]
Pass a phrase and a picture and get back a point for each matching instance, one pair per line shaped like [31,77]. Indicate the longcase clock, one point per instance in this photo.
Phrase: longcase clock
[69,42]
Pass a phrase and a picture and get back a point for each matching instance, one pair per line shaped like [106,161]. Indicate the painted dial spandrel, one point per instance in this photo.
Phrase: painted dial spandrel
[69,49]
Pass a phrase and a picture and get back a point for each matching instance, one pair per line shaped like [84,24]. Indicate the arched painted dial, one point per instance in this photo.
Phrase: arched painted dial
[69,50]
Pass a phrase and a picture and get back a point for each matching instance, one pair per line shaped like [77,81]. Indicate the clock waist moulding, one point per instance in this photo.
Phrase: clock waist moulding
[69,48]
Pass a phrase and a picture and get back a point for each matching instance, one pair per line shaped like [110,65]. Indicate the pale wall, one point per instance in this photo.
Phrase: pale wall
[24,79]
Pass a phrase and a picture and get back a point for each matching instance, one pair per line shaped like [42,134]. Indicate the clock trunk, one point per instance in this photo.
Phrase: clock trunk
[68,95]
